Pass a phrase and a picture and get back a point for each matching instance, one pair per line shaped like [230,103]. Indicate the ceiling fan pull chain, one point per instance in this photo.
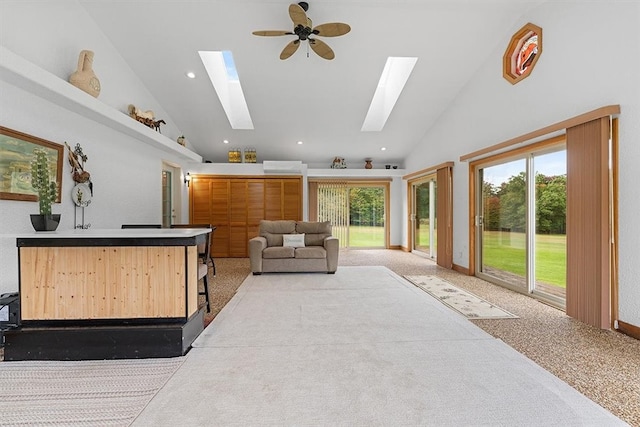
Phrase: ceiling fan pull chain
[307,50]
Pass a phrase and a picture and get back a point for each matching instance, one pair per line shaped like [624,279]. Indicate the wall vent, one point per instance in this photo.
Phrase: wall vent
[280,166]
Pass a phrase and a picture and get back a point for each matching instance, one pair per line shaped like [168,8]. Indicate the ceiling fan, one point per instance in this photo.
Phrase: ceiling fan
[304,29]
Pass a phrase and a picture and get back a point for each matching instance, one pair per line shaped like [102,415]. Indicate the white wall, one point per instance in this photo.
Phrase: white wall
[126,173]
[589,60]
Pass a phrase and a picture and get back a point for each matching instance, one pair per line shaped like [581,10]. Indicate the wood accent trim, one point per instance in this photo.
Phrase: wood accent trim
[396,247]
[472,218]
[410,242]
[387,214]
[589,223]
[629,329]
[404,248]
[605,111]
[427,171]
[461,269]
[615,285]
[524,150]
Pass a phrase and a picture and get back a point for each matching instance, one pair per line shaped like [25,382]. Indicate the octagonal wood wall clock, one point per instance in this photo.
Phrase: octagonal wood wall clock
[522,53]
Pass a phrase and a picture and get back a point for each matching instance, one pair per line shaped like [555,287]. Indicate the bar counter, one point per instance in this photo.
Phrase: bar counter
[135,287]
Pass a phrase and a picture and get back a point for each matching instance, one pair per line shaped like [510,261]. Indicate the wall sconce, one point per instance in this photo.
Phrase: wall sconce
[187,179]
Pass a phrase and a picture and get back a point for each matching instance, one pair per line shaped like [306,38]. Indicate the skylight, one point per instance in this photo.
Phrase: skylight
[224,77]
[394,76]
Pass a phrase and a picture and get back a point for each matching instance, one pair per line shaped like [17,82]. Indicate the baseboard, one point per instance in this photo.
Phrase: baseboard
[629,329]
[461,269]
[397,247]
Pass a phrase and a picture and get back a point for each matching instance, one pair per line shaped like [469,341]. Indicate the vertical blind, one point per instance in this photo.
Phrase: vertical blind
[333,206]
[589,223]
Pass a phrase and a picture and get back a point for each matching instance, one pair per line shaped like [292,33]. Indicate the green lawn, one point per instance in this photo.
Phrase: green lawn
[502,250]
[366,237]
[506,251]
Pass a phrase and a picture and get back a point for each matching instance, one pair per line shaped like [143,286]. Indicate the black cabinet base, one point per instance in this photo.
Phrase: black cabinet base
[91,341]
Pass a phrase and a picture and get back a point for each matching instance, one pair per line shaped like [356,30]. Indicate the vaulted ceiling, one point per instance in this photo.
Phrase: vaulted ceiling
[306,98]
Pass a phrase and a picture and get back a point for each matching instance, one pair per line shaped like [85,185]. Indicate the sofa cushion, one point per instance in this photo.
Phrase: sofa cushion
[315,232]
[273,230]
[293,240]
[311,252]
[278,252]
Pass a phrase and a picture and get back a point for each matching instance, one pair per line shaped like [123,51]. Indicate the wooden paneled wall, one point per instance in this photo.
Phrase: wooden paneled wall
[235,205]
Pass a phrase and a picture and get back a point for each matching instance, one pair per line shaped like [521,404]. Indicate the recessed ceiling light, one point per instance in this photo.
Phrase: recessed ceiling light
[383,148]
[191,75]
[394,76]
[224,77]
[226,141]
[299,142]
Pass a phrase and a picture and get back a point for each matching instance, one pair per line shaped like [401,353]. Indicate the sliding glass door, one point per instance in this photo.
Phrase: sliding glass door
[521,229]
[503,223]
[357,212]
[424,216]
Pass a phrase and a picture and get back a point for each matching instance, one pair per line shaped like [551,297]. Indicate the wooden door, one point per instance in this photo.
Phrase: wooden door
[238,218]
[255,206]
[236,205]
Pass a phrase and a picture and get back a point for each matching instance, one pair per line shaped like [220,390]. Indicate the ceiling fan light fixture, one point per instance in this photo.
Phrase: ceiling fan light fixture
[303,28]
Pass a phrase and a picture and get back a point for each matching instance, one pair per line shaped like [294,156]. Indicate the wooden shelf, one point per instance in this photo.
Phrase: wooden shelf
[19,72]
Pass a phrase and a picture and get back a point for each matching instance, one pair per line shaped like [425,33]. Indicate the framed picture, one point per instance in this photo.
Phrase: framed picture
[16,152]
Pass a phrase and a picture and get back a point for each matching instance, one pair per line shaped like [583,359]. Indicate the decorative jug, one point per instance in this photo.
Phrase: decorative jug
[84,78]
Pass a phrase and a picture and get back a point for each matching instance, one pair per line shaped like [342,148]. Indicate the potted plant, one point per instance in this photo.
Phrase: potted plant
[47,191]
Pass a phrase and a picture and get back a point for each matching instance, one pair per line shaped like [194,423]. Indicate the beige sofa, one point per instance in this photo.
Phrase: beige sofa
[280,247]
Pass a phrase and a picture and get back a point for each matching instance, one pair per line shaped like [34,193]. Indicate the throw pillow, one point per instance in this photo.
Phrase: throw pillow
[293,240]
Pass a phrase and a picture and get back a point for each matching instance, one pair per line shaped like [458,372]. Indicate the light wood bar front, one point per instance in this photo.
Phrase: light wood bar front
[119,278]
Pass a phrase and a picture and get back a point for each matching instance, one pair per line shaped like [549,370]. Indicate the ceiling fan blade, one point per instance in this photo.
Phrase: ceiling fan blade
[269,33]
[298,15]
[332,29]
[290,49]
[322,49]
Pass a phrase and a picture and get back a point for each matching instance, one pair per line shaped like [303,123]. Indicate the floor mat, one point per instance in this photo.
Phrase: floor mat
[467,304]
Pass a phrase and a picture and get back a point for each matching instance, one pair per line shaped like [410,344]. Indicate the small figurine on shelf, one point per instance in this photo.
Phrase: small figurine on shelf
[250,155]
[147,118]
[235,155]
[182,140]
[338,163]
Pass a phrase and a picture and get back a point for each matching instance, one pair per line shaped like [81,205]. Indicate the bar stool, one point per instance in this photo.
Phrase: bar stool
[209,258]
